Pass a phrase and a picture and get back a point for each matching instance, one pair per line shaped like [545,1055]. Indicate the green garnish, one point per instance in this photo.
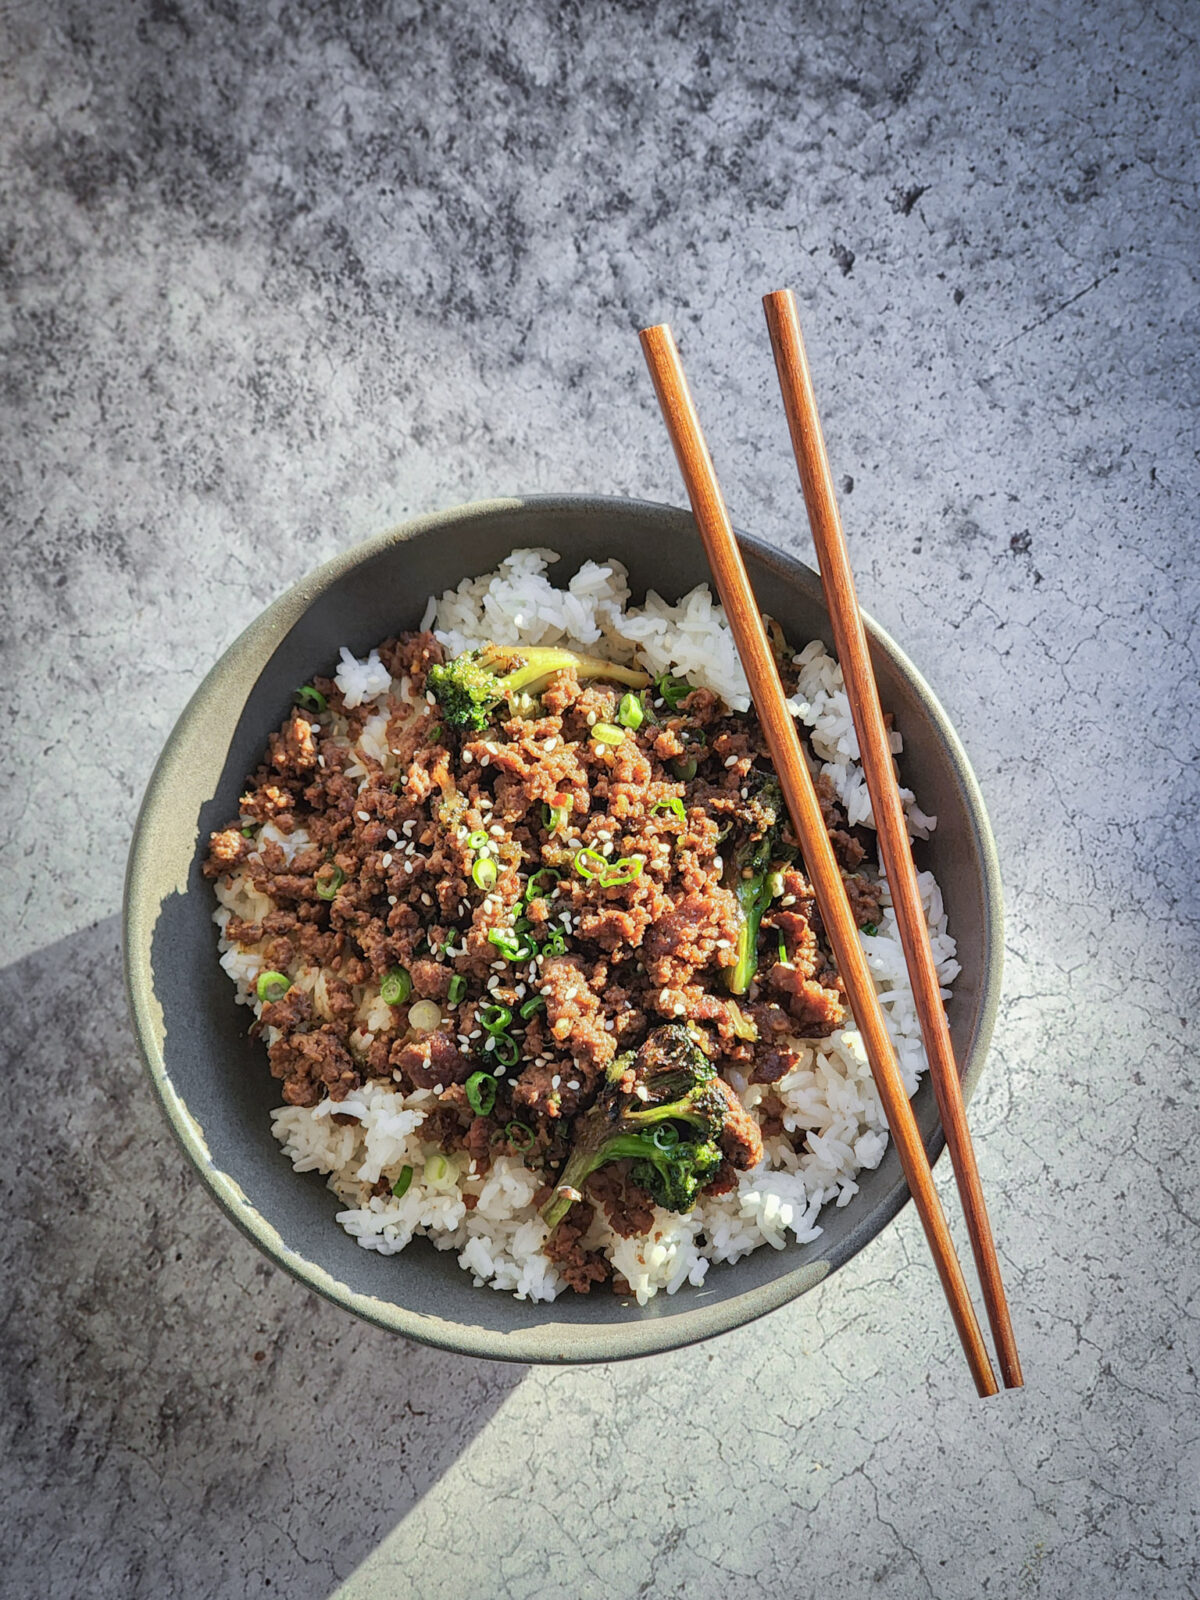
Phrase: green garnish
[871,928]
[583,863]
[684,768]
[272,986]
[396,986]
[674,805]
[520,1135]
[534,890]
[493,1019]
[672,690]
[783,955]
[556,944]
[400,1187]
[631,713]
[554,817]
[484,872]
[605,733]
[477,840]
[624,871]
[458,988]
[472,687]
[247,833]
[538,1003]
[481,1093]
[507,1051]
[328,887]
[309,696]
[435,733]
[509,944]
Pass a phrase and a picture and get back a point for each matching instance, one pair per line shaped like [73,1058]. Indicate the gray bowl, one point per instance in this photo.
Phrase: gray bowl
[212,1079]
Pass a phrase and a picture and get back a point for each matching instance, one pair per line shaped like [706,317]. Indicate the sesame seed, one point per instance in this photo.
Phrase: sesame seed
[732,761]
[467,758]
[788,900]
[591,719]
[426,900]
[363,816]
[407,828]
[550,745]
[393,900]
[408,866]
[497,966]
[485,761]
[393,836]
[496,831]
[431,697]
[718,863]
[386,860]
[320,761]
[556,1080]
[493,982]
[679,1008]
[724,944]
[745,794]
[574,1083]
[475,1033]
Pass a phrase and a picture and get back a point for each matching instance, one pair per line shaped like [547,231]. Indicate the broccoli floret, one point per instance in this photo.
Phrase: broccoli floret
[645,1096]
[473,685]
[747,869]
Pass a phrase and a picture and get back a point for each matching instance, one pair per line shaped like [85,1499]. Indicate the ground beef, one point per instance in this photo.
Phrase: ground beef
[578,1267]
[741,1142]
[390,877]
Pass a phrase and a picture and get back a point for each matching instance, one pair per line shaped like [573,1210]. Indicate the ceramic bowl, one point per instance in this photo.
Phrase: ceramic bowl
[212,1078]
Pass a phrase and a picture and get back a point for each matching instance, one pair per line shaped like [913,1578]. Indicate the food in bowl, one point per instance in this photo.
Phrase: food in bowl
[515,902]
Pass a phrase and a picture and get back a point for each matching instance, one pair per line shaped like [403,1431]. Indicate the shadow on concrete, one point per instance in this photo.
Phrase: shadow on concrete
[179,1416]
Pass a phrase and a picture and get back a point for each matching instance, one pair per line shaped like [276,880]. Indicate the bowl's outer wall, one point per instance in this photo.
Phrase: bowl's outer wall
[212,1077]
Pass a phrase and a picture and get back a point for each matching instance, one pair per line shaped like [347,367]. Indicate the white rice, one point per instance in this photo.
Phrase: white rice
[830,1106]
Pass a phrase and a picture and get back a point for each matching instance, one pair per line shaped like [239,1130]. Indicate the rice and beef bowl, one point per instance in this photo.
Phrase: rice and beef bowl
[516,905]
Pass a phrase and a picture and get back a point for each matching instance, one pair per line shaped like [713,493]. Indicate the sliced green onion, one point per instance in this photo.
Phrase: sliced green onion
[327,888]
[556,944]
[510,944]
[538,1003]
[631,713]
[871,928]
[520,1135]
[309,696]
[458,988]
[684,770]
[425,1016]
[584,863]
[674,805]
[440,1173]
[396,986]
[435,734]
[247,833]
[555,817]
[534,890]
[493,1019]
[625,871]
[272,986]
[484,872]
[481,1093]
[605,733]
[400,1187]
[477,840]
[666,1136]
[783,950]
[672,690]
[508,1051]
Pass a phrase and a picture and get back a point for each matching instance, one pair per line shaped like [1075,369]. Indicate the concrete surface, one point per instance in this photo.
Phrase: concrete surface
[277,276]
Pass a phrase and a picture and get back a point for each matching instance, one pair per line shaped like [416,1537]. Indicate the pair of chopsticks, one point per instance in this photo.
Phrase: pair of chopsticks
[733,586]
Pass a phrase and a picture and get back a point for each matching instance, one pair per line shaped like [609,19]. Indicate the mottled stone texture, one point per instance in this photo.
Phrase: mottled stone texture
[276,276]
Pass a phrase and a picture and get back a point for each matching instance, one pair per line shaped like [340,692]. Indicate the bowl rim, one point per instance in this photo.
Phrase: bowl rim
[567,1344]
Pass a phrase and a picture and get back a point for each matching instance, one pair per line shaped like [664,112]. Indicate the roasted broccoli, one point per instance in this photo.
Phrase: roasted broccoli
[473,685]
[669,1081]
[747,870]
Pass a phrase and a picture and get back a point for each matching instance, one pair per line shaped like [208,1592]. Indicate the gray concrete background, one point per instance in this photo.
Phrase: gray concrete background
[278,276]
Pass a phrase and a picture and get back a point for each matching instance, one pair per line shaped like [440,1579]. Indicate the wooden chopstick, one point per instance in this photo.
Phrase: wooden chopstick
[733,586]
[851,641]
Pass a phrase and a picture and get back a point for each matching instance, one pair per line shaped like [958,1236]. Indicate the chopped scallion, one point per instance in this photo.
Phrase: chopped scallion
[328,887]
[538,1003]
[481,1093]
[684,768]
[674,805]
[477,840]
[458,988]
[396,986]
[400,1187]
[493,1019]
[484,872]
[871,928]
[590,863]
[508,1051]
[555,817]
[666,1136]
[631,713]
[308,696]
[534,889]
[272,986]
[519,1135]
[605,733]
[623,871]
[672,690]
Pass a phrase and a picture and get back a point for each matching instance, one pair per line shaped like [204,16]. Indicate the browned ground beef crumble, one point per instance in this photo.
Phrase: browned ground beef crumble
[635,955]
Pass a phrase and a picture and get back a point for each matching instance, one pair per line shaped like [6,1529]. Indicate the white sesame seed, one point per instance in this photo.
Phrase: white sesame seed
[475,1033]
[386,861]
[431,697]
[426,900]
[591,719]
[556,1080]
[408,866]
[731,761]
[363,816]
[467,758]
[724,944]
[320,761]
[485,761]
[393,900]
[718,863]
[550,744]
[493,982]
[497,966]
[679,1008]
[392,835]
[574,1083]
[489,1046]
[407,828]
[788,900]
[745,794]
[496,831]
